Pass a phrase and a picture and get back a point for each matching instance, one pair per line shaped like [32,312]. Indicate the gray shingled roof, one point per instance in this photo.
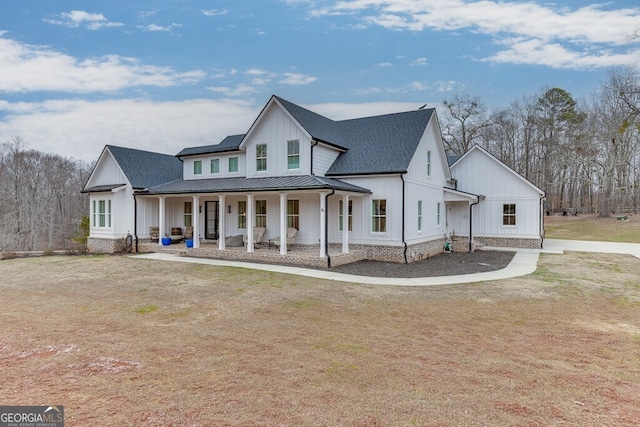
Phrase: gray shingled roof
[146,169]
[379,144]
[230,143]
[239,184]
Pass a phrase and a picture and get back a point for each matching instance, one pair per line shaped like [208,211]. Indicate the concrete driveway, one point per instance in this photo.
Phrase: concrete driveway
[559,246]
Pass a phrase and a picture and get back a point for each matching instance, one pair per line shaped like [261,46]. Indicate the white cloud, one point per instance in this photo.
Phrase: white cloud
[78,18]
[154,27]
[23,66]
[297,79]
[419,62]
[214,12]
[80,129]
[588,34]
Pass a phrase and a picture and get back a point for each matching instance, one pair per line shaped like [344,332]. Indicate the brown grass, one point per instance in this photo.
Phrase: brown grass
[590,227]
[121,341]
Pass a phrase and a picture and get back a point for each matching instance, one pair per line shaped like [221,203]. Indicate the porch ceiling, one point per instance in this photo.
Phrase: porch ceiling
[241,184]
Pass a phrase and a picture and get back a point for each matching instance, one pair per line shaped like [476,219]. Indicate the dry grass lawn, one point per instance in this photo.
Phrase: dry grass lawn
[129,342]
[589,227]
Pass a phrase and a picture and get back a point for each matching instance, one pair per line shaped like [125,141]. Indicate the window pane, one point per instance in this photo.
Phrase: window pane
[233,164]
[197,167]
[215,165]
[242,214]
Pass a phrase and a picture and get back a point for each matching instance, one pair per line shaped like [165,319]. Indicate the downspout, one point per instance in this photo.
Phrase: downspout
[135,220]
[313,144]
[542,233]
[404,243]
[326,226]
[471,223]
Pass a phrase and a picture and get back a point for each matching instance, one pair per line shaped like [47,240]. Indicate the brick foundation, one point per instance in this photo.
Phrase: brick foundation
[499,242]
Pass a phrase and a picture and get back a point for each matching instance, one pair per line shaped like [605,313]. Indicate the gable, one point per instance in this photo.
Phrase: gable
[138,168]
[479,172]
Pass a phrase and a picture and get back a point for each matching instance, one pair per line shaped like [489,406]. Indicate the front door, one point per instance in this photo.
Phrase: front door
[211,220]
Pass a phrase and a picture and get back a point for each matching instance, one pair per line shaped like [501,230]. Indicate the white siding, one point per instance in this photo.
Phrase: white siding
[323,158]
[274,129]
[481,174]
[106,172]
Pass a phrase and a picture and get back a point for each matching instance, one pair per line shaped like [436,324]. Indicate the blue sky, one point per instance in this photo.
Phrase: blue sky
[76,75]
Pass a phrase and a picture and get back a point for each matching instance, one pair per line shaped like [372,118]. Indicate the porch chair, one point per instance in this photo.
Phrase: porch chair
[188,232]
[154,234]
[258,236]
[291,236]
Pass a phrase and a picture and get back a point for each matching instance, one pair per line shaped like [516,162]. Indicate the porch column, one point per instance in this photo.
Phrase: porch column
[283,223]
[323,225]
[195,209]
[161,208]
[345,224]
[250,222]
[222,215]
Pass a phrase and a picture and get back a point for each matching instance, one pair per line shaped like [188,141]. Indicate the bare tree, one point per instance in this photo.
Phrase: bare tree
[467,117]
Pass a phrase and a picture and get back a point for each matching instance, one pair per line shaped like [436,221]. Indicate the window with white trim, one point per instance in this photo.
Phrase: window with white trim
[242,214]
[197,167]
[233,164]
[215,165]
[419,215]
[438,210]
[101,213]
[428,162]
[293,214]
[509,214]
[293,154]
[261,213]
[261,157]
[349,215]
[379,215]
[188,214]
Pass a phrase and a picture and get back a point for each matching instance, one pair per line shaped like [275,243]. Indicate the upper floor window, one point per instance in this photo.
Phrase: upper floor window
[188,214]
[261,157]
[509,214]
[242,214]
[261,213]
[215,165]
[349,215]
[233,164]
[379,216]
[293,214]
[419,215]
[428,162]
[197,167]
[293,154]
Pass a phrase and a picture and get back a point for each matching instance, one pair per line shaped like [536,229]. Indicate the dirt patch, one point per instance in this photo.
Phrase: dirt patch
[122,341]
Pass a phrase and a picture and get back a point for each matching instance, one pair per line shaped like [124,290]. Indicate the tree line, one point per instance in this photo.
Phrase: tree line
[41,207]
[584,154]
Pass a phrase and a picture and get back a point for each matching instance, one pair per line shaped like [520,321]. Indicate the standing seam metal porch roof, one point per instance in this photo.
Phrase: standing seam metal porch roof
[241,185]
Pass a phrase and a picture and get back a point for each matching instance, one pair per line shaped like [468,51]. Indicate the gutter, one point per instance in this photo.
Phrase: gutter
[135,220]
[404,243]
[471,222]
[326,226]
[542,231]
[314,143]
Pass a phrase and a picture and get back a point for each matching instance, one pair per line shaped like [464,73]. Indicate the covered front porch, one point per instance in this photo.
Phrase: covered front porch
[307,256]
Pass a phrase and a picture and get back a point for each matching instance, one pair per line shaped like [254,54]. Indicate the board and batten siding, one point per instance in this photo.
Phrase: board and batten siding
[206,166]
[275,129]
[479,173]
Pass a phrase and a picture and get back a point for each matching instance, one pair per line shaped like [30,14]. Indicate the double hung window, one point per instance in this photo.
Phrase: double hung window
[261,157]
[379,216]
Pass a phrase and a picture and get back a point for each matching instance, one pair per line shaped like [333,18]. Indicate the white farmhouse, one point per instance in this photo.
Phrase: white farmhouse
[376,187]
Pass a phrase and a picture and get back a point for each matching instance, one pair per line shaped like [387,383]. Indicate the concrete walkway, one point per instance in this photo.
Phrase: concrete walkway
[524,262]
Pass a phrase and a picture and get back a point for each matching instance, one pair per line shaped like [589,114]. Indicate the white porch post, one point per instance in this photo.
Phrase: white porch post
[222,215]
[195,209]
[283,223]
[345,224]
[323,225]
[250,222]
[161,208]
